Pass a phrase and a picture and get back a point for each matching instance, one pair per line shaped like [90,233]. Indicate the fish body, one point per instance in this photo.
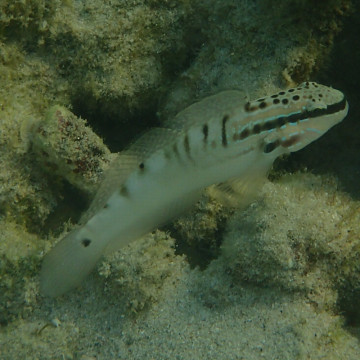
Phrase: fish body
[219,139]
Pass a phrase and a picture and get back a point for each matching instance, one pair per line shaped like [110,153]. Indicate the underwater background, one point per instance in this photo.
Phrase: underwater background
[79,80]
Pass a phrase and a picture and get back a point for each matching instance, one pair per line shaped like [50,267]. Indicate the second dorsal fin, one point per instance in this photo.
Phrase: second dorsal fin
[125,163]
[153,140]
[117,173]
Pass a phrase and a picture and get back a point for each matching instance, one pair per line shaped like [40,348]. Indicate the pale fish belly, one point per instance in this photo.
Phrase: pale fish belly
[221,139]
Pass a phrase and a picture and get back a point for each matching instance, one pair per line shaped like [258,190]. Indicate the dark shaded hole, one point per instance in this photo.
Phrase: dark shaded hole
[114,123]
[348,305]
[198,253]
[200,244]
[70,207]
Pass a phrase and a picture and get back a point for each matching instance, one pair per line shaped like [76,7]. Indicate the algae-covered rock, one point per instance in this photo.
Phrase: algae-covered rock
[256,46]
[131,276]
[20,255]
[67,147]
[111,55]
[300,237]
[199,232]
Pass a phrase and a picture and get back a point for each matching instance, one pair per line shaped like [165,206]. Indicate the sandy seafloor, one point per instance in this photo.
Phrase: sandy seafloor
[279,279]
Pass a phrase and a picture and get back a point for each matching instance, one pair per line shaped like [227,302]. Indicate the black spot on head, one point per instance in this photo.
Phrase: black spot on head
[106,206]
[260,100]
[85,242]
[291,90]
[262,105]
[320,95]
[282,93]
[276,101]
[296,97]
[285,101]
[256,129]
[280,121]
[268,148]
[269,125]
[292,119]
[142,166]
[274,96]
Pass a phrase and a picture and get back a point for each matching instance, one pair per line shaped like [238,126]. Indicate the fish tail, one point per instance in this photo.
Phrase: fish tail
[68,263]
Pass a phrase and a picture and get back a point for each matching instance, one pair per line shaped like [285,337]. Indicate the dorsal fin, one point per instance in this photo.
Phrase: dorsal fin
[118,171]
[212,107]
[215,106]
[126,162]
